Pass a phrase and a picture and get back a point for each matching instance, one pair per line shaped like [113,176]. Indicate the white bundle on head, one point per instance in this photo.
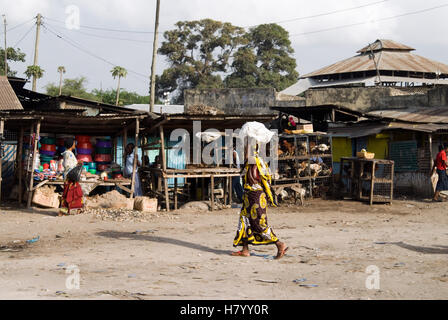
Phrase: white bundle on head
[257,131]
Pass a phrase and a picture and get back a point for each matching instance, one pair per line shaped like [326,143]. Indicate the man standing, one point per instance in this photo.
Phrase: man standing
[441,164]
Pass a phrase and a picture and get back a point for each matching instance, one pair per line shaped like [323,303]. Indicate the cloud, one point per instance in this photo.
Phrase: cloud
[312,51]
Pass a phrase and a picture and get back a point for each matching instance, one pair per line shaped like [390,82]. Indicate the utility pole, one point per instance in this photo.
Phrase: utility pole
[154,55]
[6,48]
[36,46]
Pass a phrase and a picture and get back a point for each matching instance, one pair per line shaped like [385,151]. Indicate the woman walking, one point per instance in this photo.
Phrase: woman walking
[253,225]
[441,165]
[72,197]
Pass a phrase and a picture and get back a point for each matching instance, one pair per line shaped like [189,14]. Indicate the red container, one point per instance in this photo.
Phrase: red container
[60,142]
[82,139]
[103,158]
[84,145]
[84,157]
[46,166]
[102,167]
[48,147]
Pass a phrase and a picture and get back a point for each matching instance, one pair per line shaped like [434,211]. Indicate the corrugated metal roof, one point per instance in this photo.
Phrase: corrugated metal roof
[389,56]
[8,98]
[384,44]
[158,108]
[415,115]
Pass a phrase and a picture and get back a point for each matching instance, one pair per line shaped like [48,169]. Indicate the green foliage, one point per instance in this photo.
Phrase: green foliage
[118,71]
[126,97]
[197,52]
[266,61]
[35,71]
[72,87]
[77,88]
[12,55]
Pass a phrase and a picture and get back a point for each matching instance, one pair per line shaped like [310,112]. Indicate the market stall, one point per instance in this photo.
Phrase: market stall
[40,143]
[173,176]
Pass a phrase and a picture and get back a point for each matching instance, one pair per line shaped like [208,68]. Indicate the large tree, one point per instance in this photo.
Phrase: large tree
[266,61]
[198,53]
[14,55]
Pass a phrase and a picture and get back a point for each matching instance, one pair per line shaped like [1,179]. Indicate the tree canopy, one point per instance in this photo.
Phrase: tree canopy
[198,53]
[213,54]
[265,61]
[13,55]
[77,88]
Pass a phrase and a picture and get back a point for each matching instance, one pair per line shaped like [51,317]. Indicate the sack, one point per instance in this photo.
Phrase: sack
[74,175]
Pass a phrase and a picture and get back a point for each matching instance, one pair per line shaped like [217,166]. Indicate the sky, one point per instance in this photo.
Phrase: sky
[320,32]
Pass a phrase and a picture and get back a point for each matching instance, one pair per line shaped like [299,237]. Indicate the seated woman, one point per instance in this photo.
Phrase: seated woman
[72,197]
[129,168]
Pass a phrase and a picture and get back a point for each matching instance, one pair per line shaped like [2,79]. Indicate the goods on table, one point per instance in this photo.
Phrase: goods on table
[363,154]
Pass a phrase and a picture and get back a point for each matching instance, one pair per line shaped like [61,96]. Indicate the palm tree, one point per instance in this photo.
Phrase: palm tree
[118,72]
[61,70]
[36,72]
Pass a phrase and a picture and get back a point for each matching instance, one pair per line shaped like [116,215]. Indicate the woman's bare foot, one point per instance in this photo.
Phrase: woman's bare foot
[242,253]
[282,248]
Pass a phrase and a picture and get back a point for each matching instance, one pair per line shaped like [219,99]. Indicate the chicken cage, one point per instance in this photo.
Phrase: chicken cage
[367,179]
[305,160]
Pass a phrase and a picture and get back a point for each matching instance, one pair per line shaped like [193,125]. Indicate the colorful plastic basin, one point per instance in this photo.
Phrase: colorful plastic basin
[92,171]
[103,158]
[84,151]
[103,144]
[103,150]
[84,145]
[48,153]
[48,140]
[48,147]
[82,139]
[92,165]
[84,157]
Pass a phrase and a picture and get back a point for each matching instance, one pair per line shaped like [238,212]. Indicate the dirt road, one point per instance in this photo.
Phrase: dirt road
[185,255]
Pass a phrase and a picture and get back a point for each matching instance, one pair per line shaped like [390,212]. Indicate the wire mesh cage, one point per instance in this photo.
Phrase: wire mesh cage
[320,145]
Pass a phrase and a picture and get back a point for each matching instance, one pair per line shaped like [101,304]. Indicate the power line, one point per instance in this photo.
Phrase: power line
[20,24]
[105,29]
[76,45]
[327,13]
[24,36]
[370,21]
[102,36]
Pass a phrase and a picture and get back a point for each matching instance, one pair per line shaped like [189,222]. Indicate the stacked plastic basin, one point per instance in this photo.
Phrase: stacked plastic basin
[103,154]
[60,146]
[84,149]
[47,150]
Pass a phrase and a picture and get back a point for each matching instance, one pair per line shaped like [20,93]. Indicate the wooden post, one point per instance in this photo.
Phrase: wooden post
[372,183]
[165,180]
[30,190]
[230,190]
[360,181]
[175,193]
[2,125]
[20,163]
[392,183]
[225,188]
[134,165]
[115,149]
[212,191]
[124,143]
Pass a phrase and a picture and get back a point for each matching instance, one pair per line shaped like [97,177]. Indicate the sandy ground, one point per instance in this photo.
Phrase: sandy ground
[185,255]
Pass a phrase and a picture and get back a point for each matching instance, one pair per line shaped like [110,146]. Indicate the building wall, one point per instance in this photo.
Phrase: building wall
[233,101]
[367,99]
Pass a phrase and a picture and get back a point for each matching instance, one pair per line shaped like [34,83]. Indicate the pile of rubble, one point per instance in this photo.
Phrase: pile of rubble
[120,215]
